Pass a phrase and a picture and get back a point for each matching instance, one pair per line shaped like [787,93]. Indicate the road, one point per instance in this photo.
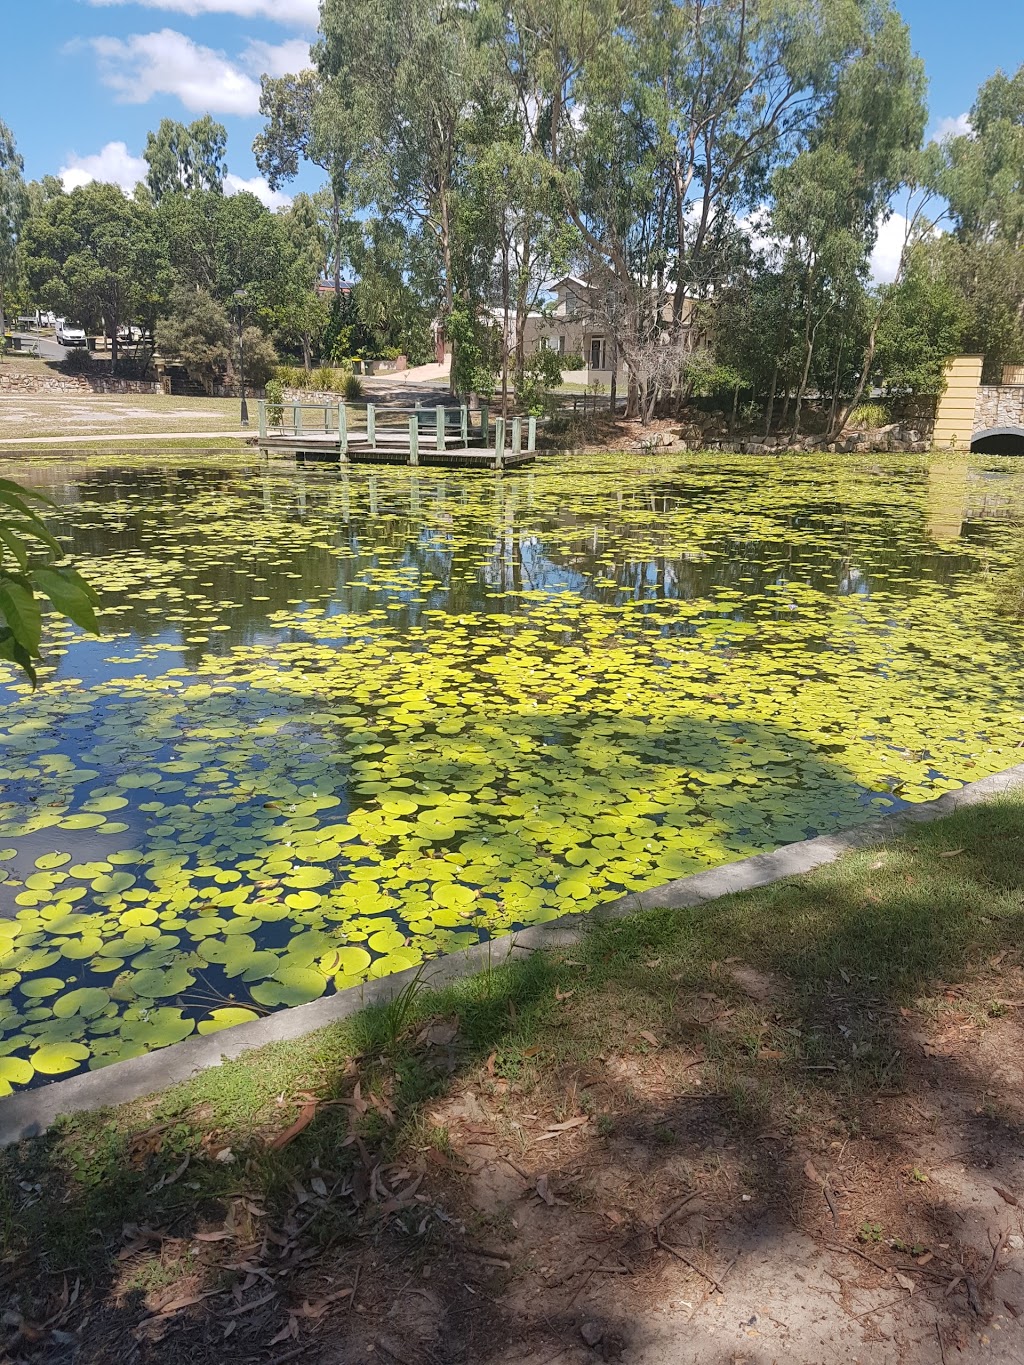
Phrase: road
[47,348]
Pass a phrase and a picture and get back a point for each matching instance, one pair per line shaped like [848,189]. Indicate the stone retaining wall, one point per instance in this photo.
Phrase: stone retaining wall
[55,383]
[999,406]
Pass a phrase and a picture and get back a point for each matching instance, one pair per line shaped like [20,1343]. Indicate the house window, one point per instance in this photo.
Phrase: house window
[597,353]
[570,303]
[561,345]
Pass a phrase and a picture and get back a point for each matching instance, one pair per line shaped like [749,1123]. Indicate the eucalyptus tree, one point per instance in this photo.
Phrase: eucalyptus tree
[414,71]
[184,157]
[309,119]
[14,204]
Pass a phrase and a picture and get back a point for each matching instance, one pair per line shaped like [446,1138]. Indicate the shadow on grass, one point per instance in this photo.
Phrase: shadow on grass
[714,1050]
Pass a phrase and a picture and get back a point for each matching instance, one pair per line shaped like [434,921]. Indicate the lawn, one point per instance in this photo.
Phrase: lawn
[85,415]
[793,1115]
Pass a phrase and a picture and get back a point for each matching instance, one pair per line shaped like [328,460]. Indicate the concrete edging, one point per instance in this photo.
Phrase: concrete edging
[31,1112]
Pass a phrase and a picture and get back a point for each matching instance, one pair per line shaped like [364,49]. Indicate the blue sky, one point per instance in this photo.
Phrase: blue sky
[88,78]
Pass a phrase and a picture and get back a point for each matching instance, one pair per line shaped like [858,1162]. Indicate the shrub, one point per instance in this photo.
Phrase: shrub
[77,362]
[390,353]
[870,415]
[275,401]
[260,357]
[326,379]
[288,375]
[352,388]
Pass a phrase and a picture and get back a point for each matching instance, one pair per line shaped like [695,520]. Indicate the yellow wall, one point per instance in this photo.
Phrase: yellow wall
[954,420]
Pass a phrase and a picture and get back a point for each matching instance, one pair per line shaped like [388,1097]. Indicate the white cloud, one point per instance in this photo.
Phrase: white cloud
[952,127]
[169,63]
[282,59]
[274,199]
[885,259]
[112,165]
[294,13]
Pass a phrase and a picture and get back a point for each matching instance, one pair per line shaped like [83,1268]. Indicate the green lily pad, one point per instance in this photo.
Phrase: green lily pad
[227,1017]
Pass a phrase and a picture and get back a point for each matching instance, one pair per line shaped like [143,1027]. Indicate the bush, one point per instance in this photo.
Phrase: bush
[390,353]
[288,375]
[275,401]
[870,415]
[78,361]
[326,379]
[260,357]
[352,388]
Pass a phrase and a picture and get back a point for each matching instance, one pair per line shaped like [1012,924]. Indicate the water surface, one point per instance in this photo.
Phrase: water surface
[341,722]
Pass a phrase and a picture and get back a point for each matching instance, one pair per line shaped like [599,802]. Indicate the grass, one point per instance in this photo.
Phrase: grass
[115,414]
[809,975]
[133,443]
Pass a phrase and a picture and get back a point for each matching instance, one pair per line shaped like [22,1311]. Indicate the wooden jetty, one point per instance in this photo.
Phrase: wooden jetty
[447,436]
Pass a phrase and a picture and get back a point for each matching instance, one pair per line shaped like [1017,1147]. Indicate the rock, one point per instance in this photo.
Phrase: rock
[592,1332]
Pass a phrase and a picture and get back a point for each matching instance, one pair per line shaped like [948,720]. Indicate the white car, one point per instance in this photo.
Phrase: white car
[66,335]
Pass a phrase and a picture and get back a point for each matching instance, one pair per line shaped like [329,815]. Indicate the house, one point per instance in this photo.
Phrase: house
[573,325]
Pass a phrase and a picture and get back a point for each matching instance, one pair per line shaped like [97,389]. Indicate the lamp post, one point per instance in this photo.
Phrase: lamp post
[240,302]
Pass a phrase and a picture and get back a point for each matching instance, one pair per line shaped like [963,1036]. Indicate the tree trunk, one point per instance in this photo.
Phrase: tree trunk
[771,400]
[3,320]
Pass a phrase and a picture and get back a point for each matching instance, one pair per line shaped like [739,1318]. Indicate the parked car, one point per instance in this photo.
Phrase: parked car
[68,335]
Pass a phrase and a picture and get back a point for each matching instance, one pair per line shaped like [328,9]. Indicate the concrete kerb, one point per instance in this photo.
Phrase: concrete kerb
[32,1112]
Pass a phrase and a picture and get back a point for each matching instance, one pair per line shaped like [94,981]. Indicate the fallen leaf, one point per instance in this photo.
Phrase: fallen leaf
[290,1330]
[544,1190]
[563,995]
[318,1187]
[649,1037]
[557,1128]
[1005,1195]
[952,853]
[905,1282]
[305,1118]
[810,1171]
[222,1236]
[225,1156]
[771,1054]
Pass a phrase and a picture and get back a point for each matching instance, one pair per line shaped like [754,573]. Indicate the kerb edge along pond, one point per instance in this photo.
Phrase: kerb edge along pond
[342,722]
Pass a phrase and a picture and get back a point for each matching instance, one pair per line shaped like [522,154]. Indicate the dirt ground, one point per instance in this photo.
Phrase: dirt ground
[630,1210]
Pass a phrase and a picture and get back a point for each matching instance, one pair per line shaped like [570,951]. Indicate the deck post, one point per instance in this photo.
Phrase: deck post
[262,408]
[531,435]
[371,425]
[439,420]
[343,430]
[298,418]
[485,424]
[517,435]
[414,439]
[464,425]
[499,442]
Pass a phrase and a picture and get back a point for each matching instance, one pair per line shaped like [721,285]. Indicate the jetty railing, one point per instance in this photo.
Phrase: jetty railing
[415,429]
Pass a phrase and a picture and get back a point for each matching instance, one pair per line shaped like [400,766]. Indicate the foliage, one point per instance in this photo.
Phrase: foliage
[275,401]
[869,415]
[543,371]
[93,255]
[78,361]
[198,333]
[352,388]
[185,157]
[260,357]
[30,569]
[14,205]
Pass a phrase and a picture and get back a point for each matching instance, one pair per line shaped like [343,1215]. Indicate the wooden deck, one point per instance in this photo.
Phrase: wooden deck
[438,437]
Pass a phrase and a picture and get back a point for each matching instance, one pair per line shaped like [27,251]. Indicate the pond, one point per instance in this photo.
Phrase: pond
[339,723]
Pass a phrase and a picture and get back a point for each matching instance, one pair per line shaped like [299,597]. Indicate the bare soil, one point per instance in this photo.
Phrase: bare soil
[631,1209]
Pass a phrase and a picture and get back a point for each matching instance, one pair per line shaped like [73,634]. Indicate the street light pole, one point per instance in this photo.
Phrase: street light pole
[240,300]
